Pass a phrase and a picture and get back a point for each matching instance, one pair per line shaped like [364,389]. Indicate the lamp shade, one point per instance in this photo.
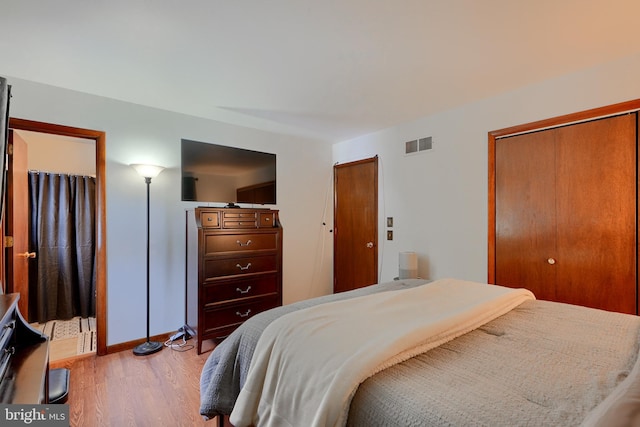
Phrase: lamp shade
[408,265]
[147,171]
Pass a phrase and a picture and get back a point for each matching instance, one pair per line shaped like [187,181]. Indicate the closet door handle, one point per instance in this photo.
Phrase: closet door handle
[551,261]
[28,255]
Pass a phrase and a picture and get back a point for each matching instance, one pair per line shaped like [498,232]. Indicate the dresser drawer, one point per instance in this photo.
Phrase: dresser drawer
[215,243]
[7,338]
[236,314]
[239,219]
[267,219]
[210,219]
[237,266]
[243,288]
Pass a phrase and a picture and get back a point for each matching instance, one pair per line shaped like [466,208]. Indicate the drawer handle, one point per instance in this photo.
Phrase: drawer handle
[245,267]
[245,291]
[10,350]
[243,244]
[10,325]
[245,314]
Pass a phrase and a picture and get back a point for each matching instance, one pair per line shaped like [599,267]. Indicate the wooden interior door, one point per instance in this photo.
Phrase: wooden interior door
[355,247]
[17,222]
[565,213]
[596,203]
[526,212]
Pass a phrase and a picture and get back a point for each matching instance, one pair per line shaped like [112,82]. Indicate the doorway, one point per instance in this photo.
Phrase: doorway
[98,137]
[355,239]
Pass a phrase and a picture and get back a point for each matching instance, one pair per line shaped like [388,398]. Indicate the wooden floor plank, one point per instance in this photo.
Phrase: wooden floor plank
[122,389]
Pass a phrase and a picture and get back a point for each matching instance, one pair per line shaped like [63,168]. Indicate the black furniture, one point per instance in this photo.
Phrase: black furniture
[58,385]
[24,360]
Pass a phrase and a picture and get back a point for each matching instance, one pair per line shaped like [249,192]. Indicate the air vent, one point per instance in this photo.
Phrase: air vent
[411,147]
[425,144]
[418,145]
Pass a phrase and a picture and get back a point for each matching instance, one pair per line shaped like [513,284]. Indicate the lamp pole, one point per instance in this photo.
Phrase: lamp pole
[149,346]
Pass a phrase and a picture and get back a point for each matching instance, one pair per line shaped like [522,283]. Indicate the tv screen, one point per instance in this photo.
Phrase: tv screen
[213,173]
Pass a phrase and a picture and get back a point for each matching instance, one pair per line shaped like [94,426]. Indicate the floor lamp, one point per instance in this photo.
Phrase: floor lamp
[147,172]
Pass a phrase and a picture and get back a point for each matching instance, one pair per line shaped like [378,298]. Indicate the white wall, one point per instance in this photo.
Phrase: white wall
[439,198]
[137,134]
[59,154]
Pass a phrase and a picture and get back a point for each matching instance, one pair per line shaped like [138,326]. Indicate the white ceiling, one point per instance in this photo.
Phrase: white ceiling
[331,69]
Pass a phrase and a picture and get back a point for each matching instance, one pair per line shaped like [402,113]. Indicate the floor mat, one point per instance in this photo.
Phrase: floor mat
[70,338]
[87,342]
[64,329]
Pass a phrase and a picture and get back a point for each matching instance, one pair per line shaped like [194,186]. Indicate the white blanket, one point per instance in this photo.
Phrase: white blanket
[308,364]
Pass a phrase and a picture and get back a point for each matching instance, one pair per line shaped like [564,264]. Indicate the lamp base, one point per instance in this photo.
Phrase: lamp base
[146,348]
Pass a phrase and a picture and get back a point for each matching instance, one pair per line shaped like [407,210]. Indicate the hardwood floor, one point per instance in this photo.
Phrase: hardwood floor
[121,389]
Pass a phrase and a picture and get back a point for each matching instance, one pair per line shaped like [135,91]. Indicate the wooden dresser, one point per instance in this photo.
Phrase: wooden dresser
[24,357]
[234,268]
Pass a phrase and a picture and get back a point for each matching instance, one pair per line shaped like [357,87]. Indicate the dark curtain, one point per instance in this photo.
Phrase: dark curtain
[62,233]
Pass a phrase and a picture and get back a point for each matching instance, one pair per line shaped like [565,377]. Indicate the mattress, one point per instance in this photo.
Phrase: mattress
[542,363]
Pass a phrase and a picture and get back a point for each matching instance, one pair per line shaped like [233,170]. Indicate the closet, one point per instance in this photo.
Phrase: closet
[563,212]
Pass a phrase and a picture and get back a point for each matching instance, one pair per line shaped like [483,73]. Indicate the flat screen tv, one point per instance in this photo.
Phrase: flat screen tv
[213,173]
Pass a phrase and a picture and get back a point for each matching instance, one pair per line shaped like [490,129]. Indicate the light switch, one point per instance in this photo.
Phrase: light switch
[389,234]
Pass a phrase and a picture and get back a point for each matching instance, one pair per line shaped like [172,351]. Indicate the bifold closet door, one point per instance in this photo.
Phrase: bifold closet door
[566,203]
[526,212]
[596,202]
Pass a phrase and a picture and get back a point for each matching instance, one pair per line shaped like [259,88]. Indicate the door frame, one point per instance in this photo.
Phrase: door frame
[374,161]
[101,224]
[16,189]
[573,118]
[582,116]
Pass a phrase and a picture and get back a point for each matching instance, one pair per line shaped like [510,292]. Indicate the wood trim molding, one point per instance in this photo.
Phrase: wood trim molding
[130,345]
[101,217]
[594,113]
[491,247]
[581,116]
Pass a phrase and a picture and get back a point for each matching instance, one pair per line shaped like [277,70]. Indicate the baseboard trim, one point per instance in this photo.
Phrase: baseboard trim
[129,345]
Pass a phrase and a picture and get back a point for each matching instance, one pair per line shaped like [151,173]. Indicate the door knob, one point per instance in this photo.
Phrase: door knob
[28,255]
[369,245]
[551,261]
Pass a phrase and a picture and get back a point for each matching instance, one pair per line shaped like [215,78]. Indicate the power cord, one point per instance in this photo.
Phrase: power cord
[178,347]
[182,335]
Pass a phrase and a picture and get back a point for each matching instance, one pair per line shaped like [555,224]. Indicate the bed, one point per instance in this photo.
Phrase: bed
[530,363]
